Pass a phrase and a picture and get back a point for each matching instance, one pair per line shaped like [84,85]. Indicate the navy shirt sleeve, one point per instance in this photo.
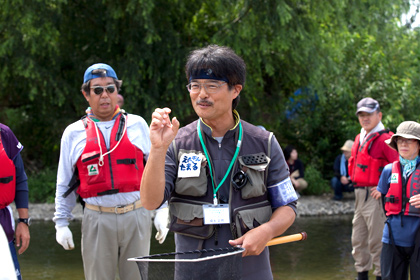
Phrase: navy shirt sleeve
[384,180]
[336,166]
[298,165]
[22,190]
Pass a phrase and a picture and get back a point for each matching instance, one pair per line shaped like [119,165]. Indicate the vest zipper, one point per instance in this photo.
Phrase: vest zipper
[109,158]
[110,171]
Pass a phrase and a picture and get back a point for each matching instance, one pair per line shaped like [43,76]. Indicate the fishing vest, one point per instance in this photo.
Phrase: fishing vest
[120,171]
[7,178]
[365,170]
[399,193]
[249,206]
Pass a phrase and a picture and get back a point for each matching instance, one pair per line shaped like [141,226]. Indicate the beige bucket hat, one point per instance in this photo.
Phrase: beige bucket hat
[347,146]
[408,129]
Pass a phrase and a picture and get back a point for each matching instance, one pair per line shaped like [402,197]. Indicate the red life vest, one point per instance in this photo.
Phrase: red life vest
[120,171]
[365,170]
[396,200]
[7,178]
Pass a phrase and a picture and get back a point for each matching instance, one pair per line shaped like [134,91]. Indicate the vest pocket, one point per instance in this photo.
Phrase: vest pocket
[193,186]
[91,169]
[251,216]
[187,218]
[254,166]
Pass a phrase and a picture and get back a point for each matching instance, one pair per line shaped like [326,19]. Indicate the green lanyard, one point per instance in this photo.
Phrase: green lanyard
[238,146]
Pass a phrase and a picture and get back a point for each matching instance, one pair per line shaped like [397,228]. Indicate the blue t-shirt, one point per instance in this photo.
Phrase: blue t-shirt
[403,232]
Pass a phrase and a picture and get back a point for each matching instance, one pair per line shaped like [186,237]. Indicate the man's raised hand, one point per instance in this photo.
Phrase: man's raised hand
[162,129]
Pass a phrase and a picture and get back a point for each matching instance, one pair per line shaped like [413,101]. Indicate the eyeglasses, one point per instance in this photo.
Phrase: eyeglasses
[240,179]
[99,89]
[405,140]
[210,87]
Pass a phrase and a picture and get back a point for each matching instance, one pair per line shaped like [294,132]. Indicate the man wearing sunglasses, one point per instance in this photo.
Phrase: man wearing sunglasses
[226,180]
[102,160]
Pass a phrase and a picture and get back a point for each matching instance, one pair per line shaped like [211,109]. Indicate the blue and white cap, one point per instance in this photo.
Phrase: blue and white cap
[99,70]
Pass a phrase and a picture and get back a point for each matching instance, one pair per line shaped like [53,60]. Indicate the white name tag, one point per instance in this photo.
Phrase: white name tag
[189,165]
[216,214]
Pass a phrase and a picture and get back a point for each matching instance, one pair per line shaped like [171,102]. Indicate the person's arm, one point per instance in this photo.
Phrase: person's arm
[336,167]
[383,184]
[162,132]
[415,201]
[22,231]
[65,205]
[390,154]
[22,234]
[72,145]
[255,240]
[301,169]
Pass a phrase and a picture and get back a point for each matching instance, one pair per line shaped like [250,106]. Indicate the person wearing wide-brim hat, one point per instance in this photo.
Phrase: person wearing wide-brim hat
[398,185]
[341,181]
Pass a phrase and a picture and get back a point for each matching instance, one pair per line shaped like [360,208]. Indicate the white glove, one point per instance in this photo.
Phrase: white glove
[64,237]
[161,224]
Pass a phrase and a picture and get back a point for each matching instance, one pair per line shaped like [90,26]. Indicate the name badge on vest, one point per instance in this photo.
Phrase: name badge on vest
[216,214]
[93,169]
[189,165]
[394,178]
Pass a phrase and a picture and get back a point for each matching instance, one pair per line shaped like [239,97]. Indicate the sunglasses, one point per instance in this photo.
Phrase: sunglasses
[240,179]
[99,89]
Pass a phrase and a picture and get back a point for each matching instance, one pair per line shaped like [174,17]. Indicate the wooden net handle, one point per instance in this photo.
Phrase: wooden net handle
[288,238]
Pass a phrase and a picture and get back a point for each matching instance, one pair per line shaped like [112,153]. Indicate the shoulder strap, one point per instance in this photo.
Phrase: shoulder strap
[372,138]
[175,151]
[268,155]
[84,120]
[74,183]
[121,125]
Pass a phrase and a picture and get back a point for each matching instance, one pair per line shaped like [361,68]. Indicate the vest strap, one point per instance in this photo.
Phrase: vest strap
[392,199]
[6,180]
[74,183]
[114,191]
[128,161]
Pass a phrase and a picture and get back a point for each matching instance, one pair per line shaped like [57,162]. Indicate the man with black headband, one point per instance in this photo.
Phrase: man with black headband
[226,180]
[102,160]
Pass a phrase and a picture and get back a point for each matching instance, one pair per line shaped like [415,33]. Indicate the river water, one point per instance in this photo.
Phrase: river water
[326,254]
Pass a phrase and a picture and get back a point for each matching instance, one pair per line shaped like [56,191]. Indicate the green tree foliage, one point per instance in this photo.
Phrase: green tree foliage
[335,52]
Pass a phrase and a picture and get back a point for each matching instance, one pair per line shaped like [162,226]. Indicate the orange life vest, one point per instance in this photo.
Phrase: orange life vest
[7,178]
[120,170]
[365,170]
[399,193]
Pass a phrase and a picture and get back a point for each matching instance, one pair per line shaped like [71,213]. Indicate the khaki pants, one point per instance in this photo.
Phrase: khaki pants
[108,240]
[368,225]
